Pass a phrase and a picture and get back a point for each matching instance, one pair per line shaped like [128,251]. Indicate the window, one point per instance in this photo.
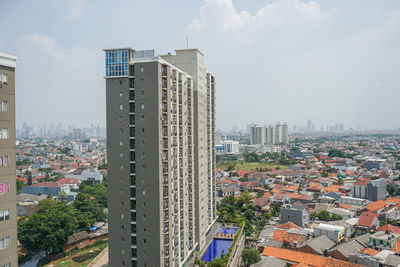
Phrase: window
[4,215]
[3,78]
[121,156]
[142,106]
[141,92]
[5,242]
[6,265]
[4,188]
[117,62]
[120,93]
[142,118]
[3,106]
[121,143]
[141,69]
[120,118]
[3,133]
[141,83]
[4,161]
[121,131]
[121,107]
[143,155]
[121,167]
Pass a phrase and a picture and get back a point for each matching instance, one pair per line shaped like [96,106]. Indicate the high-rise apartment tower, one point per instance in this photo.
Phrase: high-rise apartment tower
[8,213]
[161,156]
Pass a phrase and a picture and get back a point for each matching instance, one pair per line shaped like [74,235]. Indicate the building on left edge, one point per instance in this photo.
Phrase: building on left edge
[8,212]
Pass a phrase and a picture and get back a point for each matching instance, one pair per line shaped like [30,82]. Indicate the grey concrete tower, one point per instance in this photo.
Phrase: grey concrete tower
[192,62]
[153,191]
[8,213]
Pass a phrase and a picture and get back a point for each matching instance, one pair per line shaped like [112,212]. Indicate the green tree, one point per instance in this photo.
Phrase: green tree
[216,262]
[267,187]
[249,214]
[48,229]
[28,175]
[260,193]
[276,208]
[62,197]
[323,215]
[313,216]
[335,217]
[248,230]
[250,256]
[20,184]
[391,190]
[267,216]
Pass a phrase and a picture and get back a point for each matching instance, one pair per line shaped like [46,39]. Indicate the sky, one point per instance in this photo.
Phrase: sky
[274,60]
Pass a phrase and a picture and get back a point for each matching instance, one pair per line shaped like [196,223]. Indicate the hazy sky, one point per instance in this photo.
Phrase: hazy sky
[274,60]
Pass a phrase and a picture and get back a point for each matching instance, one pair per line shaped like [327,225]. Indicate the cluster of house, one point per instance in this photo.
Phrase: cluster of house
[363,235]
[69,163]
[361,226]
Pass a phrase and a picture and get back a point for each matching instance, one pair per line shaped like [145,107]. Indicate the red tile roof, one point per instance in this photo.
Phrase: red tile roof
[377,205]
[261,201]
[389,228]
[47,184]
[394,200]
[369,251]
[68,181]
[288,225]
[367,218]
[302,257]
[283,236]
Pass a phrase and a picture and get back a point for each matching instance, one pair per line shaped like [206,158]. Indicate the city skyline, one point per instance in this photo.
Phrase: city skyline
[325,61]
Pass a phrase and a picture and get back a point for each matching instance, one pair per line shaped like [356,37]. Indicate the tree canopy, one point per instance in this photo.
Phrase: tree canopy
[49,228]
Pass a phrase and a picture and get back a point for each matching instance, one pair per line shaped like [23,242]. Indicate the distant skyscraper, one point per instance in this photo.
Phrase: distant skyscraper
[270,136]
[8,213]
[261,135]
[309,126]
[258,135]
[285,133]
[278,133]
[161,156]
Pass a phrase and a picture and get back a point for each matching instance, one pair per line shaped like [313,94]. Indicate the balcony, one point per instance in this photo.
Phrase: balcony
[164,83]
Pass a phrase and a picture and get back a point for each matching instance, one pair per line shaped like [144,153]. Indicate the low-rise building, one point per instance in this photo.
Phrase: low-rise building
[45,188]
[383,240]
[296,214]
[334,232]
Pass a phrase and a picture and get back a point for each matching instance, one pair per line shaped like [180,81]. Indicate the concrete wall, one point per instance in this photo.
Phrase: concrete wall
[8,228]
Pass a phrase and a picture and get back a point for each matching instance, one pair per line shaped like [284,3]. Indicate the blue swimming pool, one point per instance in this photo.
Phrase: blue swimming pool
[215,249]
[231,231]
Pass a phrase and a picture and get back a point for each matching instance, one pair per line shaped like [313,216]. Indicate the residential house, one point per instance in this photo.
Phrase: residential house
[367,222]
[296,214]
[318,246]
[45,188]
[334,232]
[300,258]
[72,183]
[343,251]
[383,240]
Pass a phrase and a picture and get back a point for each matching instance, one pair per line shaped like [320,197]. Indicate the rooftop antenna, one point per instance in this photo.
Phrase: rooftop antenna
[187,42]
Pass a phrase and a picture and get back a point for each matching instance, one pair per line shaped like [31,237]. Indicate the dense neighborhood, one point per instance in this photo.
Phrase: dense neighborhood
[335,204]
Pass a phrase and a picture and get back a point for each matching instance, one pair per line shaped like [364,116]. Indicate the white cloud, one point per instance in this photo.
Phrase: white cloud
[57,84]
[222,15]
[74,9]
[292,61]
